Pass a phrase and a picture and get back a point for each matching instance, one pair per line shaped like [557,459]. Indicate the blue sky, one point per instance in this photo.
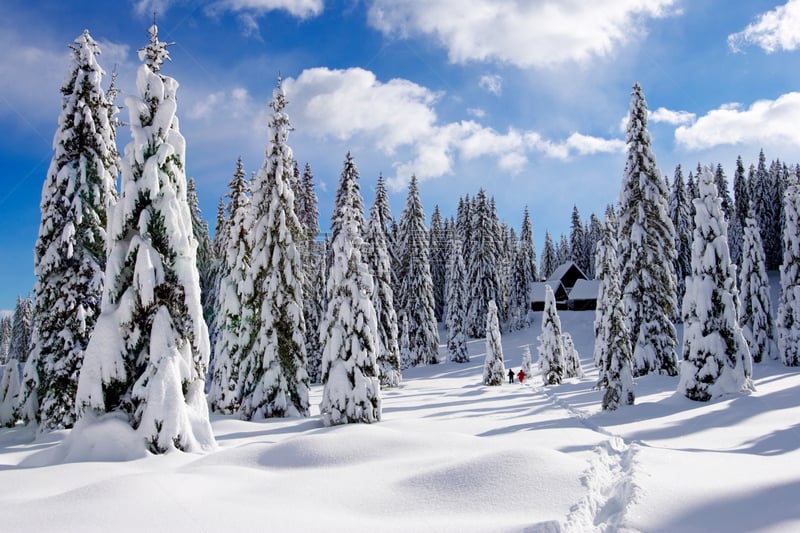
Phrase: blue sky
[524,98]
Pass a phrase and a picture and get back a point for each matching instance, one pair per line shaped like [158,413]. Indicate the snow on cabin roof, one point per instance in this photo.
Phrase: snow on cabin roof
[561,271]
[585,289]
[538,291]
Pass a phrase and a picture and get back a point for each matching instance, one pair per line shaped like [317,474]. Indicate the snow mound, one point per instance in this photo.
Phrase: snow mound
[104,439]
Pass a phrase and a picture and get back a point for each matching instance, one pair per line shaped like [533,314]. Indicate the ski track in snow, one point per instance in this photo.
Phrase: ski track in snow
[609,479]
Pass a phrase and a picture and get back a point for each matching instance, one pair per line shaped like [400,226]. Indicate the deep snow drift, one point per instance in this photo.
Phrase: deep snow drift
[450,455]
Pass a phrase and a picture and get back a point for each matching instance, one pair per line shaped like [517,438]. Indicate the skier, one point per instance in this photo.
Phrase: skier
[521,376]
[511,375]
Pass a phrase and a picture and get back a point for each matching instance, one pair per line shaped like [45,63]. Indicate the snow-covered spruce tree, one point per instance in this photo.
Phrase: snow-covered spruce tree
[593,236]
[562,251]
[318,275]
[527,248]
[788,323]
[438,260]
[518,293]
[416,292]
[612,345]
[551,347]
[225,395]
[680,214]
[350,374]
[21,329]
[273,374]
[646,240]
[70,254]
[483,280]
[205,253]
[5,337]
[766,212]
[9,394]
[494,370]
[147,357]
[723,190]
[741,208]
[755,312]
[376,256]
[525,366]
[572,359]
[578,252]
[716,359]
[456,304]
[548,257]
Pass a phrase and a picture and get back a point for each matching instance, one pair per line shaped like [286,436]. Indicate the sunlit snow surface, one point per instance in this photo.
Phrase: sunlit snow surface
[449,455]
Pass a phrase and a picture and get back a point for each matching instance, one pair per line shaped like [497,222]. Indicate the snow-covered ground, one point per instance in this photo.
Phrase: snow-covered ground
[449,455]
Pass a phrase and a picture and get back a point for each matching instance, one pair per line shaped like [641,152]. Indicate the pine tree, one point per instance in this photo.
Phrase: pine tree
[518,293]
[578,252]
[646,246]
[593,236]
[613,354]
[376,256]
[350,373]
[755,313]
[147,357]
[21,330]
[525,365]
[9,394]
[723,190]
[562,251]
[572,359]
[273,376]
[766,212]
[788,323]
[494,370]
[741,208]
[436,244]
[416,293]
[205,253]
[527,247]
[5,337]
[319,276]
[680,214]
[225,395]
[548,257]
[716,358]
[70,255]
[551,347]
[456,304]
[483,280]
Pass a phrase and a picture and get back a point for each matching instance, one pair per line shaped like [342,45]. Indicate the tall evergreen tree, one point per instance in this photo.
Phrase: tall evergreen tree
[788,323]
[438,259]
[551,347]
[483,276]
[147,356]
[70,254]
[9,394]
[205,252]
[376,256]
[578,251]
[5,337]
[766,212]
[593,236]
[273,374]
[527,247]
[723,190]
[572,359]
[494,370]
[680,209]
[21,330]
[416,292]
[646,245]
[716,359]
[350,374]
[519,292]
[562,251]
[613,354]
[225,395]
[548,257]
[755,313]
[741,197]
[456,308]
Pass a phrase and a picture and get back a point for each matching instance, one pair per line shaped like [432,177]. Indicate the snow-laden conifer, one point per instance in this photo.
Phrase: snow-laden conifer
[716,359]
[350,375]
[740,212]
[318,274]
[766,211]
[572,359]
[646,240]
[551,347]
[456,304]
[519,293]
[483,279]
[225,395]
[273,374]
[146,359]
[416,292]
[9,394]
[788,322]
[70,254]
[205,253]
[527,248]
[438,261]
[494,370]
[755,312]
[525,366]
[5,337]
[548,257]
[578,250]
[680,213]
[376,255]
[21,329]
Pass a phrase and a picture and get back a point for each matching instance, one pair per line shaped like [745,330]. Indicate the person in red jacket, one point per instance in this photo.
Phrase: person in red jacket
[521,376]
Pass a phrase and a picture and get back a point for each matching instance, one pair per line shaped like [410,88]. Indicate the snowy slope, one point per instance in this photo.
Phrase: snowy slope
[449,455]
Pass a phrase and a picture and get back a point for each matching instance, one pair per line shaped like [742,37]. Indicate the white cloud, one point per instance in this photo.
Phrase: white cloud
[765,121]
[476,112]
[774,30]
[302,9]
[397,118]
[525,34]
[492,83]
